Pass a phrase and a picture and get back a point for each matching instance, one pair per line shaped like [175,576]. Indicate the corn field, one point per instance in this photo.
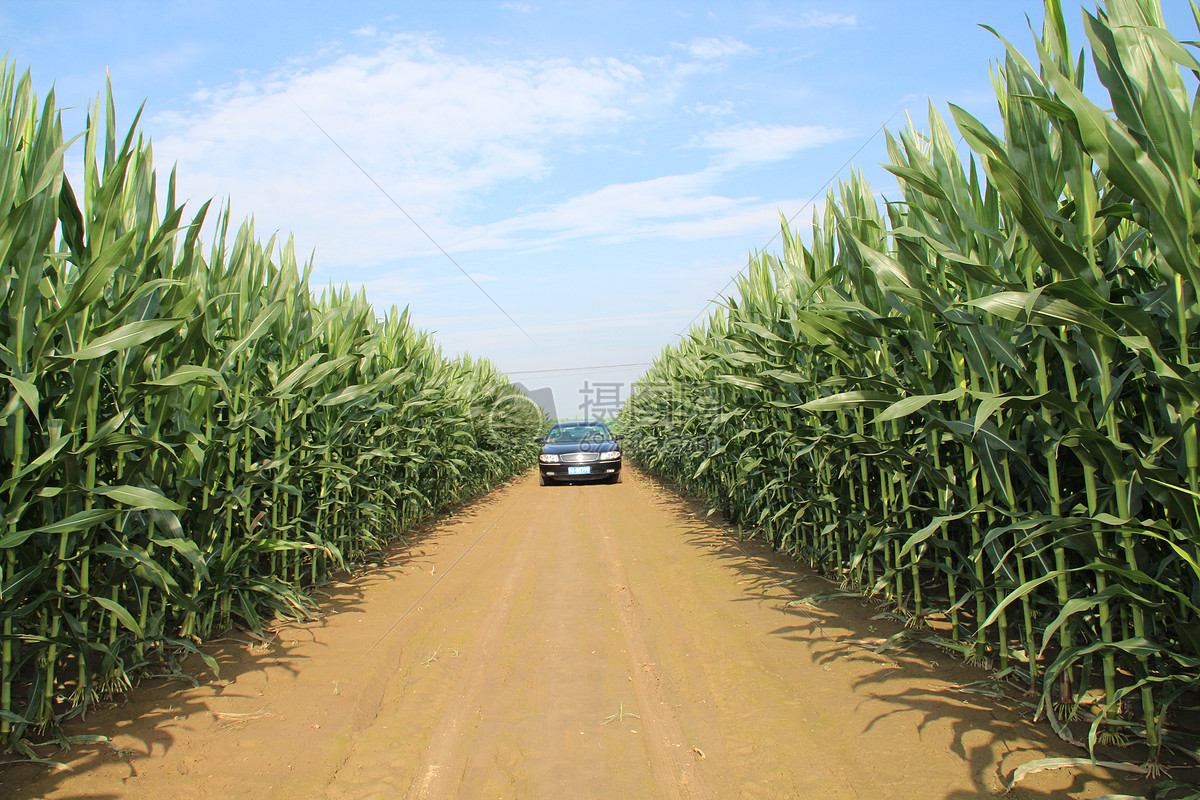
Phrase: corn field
[189,439]
[978,401]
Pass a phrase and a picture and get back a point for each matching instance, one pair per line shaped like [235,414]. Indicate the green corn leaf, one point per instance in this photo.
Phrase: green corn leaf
[847,400]
[96,276]
[46,457]
[259,328]
[929,530]
[28,394]
[138,497]
[742,381]
[188,549]
[1015,306]
[191,374]
[293,378]
[125,337]
[914,403]
[79,521]
[121,613]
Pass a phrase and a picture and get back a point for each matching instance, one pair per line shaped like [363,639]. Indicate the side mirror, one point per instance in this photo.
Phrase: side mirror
[618,437]
[540,440]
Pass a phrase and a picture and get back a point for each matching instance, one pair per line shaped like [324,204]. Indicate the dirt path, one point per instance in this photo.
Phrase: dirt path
[569,642]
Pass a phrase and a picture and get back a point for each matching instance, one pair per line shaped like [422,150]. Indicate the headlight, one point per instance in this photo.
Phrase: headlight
[548,458]
[611,455]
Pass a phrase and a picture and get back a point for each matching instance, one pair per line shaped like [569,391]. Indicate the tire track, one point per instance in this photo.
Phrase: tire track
[580,598]
[435,778]
[677,774]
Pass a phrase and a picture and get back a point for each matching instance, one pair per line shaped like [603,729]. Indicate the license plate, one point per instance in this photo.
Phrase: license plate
[579,470]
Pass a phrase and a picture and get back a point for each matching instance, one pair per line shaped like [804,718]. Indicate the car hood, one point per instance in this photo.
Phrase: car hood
[579,447]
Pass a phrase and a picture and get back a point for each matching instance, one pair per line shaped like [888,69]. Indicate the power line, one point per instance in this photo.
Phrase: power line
[414,222]
[564,370]
[791,219]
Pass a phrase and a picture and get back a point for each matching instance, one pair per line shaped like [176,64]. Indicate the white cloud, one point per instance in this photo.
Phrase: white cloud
[440,133]
[809,19]
[723,108]
[685,207]
[392,290]
[711,48]
[748,145]
[520,8]
[620,206]
[435,130]
[744,221]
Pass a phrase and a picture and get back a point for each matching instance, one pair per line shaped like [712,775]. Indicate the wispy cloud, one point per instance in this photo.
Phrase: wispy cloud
[437,130]
[808,19]
[723,108]
[399,286]
[684,207]
[749,145]
[520,8]
[623,208]
[714,48]
[390,290]
[687,206]
[443,133]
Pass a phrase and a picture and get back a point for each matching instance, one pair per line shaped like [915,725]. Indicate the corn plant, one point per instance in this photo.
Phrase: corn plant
[978,401]
[193,439]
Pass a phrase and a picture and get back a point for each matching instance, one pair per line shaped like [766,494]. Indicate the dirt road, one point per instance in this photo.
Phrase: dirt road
[569,642]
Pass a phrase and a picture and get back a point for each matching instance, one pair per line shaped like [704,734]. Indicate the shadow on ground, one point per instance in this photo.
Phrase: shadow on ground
[914,678]
[156,707]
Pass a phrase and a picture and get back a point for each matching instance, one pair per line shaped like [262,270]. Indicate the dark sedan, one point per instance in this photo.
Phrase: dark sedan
[580,451]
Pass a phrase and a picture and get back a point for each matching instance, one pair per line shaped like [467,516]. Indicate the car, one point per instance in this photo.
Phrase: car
[579,451]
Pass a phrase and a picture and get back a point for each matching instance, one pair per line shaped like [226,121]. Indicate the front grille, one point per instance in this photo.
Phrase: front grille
[579,458]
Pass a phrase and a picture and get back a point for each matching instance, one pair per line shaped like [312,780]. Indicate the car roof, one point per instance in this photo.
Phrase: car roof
[593,424]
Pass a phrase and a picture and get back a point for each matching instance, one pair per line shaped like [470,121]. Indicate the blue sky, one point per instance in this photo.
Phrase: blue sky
[600,169]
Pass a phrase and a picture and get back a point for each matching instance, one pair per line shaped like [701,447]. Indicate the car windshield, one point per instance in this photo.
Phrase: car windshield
[564,434]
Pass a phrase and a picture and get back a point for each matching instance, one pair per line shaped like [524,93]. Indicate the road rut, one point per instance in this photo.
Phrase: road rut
[569,642]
